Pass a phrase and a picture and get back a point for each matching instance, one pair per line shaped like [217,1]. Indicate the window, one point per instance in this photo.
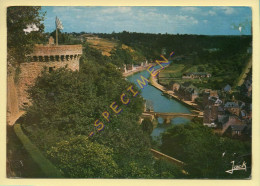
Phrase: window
[50,69]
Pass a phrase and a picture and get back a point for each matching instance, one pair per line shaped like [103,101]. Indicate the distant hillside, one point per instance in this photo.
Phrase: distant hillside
[224,57]
[108,47]
[104,45]
[152,45]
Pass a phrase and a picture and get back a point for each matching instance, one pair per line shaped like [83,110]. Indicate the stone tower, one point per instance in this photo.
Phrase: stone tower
[48,56]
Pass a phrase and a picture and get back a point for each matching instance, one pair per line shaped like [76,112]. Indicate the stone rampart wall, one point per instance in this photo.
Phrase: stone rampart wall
[31,70]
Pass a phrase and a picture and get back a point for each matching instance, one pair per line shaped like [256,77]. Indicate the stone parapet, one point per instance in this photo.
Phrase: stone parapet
[52,53]
[53,50]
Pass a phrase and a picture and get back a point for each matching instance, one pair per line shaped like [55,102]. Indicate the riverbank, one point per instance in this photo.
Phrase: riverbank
[139,69]
[154,83]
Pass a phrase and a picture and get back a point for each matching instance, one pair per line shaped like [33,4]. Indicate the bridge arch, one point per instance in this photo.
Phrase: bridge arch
[167,117]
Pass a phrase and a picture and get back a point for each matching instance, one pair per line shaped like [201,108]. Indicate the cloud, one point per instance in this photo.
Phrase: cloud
[63,9]
[195,21]
[124,9]
[120,9]
[211,12]
[148,15]
[197,11]
[186,19]
[205,21]
[228,10]
[225,9]
[190,9]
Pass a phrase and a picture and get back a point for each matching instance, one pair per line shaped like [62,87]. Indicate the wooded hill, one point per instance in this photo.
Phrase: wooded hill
[152,45]
[224,57]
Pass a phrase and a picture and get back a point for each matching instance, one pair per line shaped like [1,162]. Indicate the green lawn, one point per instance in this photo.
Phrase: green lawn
[174,70]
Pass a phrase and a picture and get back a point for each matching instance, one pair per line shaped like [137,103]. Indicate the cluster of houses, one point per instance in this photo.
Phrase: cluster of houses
[131,67]
[196,75]
[228,117]
[248,86]
[186,92]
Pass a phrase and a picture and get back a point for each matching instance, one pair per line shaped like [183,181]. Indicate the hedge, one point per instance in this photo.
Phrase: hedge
[46,166]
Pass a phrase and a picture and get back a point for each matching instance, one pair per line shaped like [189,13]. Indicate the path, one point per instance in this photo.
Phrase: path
[243,75]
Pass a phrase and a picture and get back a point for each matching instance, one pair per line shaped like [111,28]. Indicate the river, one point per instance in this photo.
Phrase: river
[160,103]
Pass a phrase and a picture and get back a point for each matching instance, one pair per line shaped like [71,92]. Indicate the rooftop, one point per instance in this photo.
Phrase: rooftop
[238,127]
[227,88]
[231,104]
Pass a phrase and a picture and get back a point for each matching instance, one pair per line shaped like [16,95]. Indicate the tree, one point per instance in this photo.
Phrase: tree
[120,56]
[18,42]
[66,104]
[65,38]
[80,158]
[202,151]
[92,55]
[164,169]
[147,126]
[201,69]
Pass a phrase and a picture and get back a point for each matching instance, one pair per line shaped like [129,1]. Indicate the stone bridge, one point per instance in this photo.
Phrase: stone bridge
[167,117]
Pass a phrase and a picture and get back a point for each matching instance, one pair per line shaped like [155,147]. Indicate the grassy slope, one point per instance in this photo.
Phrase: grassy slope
[16,153]
[104,45]
[45,165]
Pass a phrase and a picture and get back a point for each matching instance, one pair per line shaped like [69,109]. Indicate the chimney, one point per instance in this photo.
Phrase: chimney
[51,41]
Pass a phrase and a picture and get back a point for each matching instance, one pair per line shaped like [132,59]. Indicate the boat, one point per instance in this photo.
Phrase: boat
[165,93]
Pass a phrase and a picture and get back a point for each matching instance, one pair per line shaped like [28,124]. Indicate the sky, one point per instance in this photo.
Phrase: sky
[152,19]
